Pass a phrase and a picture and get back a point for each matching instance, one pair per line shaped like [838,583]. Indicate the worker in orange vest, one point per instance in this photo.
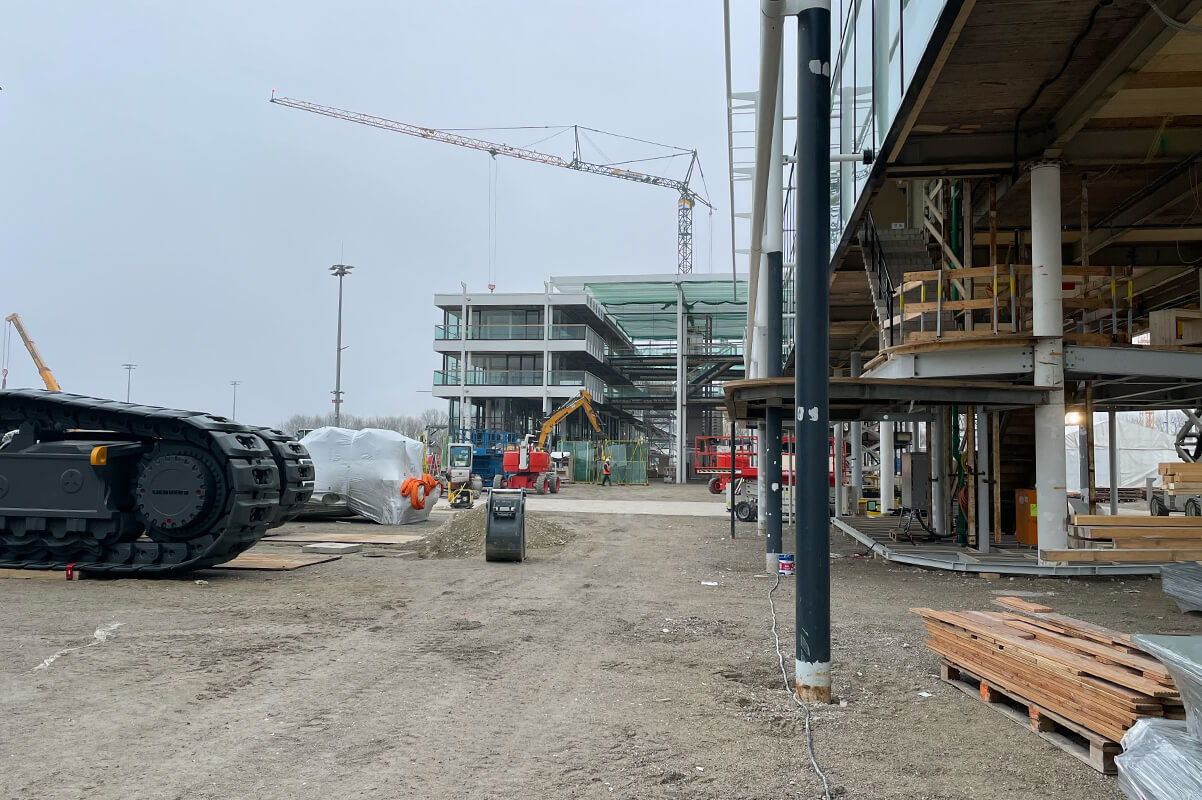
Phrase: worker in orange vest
[605,481]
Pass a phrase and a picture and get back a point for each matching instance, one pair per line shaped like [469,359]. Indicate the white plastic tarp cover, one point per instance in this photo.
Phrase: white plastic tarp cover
[1141,450]
[368,467]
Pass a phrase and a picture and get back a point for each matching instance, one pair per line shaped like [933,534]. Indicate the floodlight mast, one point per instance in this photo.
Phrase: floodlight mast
[684,207]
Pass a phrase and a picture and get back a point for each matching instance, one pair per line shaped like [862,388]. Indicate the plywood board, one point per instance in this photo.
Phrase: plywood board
[347,538]
[40,574]
[274,561]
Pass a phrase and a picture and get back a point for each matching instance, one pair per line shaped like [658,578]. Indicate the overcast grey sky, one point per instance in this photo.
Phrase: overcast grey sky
[158,210]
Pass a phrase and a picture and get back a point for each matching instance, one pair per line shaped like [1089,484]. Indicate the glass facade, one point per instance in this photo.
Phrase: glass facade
[875,47]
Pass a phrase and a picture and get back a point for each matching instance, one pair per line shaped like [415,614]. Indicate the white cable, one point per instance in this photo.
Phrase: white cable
[780,659]
[1172,23]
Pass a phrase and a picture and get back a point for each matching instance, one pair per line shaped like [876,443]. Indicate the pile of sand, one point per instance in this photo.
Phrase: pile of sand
[462,536]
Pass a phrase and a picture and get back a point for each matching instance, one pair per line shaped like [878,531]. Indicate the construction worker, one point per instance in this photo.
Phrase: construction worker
[605,470]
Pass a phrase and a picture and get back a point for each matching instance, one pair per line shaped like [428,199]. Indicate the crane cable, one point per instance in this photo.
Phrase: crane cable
[418,489]
[494,179]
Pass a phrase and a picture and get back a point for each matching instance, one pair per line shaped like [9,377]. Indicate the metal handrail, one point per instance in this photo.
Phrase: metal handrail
[883,288]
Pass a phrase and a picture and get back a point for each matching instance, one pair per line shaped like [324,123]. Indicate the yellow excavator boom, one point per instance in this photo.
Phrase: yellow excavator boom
[583,400]
[43,370]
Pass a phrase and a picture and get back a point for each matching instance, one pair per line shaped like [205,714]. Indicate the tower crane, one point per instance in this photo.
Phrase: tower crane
[684,205]
[43,370]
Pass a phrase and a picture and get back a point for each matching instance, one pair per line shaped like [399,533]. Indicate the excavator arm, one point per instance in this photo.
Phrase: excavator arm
[583,400]
[43,370]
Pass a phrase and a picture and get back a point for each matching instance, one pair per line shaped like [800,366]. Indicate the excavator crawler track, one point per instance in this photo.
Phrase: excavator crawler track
[104,486]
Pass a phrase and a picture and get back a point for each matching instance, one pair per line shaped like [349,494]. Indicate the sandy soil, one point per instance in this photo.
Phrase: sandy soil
[602,667]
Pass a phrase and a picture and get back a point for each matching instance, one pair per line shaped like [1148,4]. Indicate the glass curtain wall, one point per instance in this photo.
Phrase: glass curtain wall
[876,46]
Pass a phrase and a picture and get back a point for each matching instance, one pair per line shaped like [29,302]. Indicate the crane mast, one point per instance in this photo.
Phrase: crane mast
[43,370]
[684,206]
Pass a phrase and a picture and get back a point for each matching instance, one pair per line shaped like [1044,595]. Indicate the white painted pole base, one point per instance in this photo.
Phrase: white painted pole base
[812,681]
[772,562]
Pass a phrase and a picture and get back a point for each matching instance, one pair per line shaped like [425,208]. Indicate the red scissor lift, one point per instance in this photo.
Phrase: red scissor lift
[712,456]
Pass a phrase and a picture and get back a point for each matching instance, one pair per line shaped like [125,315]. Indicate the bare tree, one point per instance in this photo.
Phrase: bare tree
[431,423]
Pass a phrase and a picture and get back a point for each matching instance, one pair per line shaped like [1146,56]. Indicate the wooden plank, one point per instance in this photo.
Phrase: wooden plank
[274,561]
[950,305]
[1131,521]
[40,574]
[1154,543]
[1003,272]
[1103,532]
[1022,605]
[1146,665]
[1121,556]
[346,538]
[1061,693]
[1045,653]
[1087,630]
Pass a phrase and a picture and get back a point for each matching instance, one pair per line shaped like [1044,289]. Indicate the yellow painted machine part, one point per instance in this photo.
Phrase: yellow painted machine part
[43,370]
[583,400]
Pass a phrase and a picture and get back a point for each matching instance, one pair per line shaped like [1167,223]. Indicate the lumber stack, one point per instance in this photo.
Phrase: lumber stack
[1090,676]
[1180,477]
[1124,538]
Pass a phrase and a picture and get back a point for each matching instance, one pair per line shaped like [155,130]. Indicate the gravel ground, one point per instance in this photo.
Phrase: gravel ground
[601,667]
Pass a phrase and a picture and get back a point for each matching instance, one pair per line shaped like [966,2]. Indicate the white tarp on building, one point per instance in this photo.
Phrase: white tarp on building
[1141,450]
[367,467]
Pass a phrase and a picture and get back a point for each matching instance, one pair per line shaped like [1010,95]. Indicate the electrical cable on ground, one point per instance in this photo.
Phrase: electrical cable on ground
[780,660]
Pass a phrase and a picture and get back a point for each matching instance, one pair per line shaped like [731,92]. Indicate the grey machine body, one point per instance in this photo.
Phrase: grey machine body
[505,525]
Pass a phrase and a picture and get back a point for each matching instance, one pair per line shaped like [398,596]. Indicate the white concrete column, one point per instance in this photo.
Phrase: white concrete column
[547,348]
[937,448]
[1048,328]
[840,504]
[682,387]
[856,432]
[983,461]
[1112,430]
[888,478]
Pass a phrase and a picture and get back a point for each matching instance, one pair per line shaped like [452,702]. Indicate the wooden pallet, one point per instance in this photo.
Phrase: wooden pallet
[1079,742]
[1091,676]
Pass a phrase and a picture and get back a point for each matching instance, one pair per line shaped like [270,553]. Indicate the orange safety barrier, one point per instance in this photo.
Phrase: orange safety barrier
[410,488]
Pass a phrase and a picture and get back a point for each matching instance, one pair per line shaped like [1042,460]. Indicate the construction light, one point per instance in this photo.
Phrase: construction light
[1072,418]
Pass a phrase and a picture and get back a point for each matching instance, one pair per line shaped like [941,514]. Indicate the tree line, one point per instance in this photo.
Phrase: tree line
[432,423]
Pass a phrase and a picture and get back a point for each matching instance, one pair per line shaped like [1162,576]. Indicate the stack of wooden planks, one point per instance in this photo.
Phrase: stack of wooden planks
[1071,676]
[1181,478]
[1100,537]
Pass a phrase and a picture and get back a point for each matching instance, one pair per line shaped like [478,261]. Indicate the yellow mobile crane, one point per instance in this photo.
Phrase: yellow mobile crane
[43,370]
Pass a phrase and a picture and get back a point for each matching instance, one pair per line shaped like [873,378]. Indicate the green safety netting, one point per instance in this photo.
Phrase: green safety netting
[627,460]
[647,309]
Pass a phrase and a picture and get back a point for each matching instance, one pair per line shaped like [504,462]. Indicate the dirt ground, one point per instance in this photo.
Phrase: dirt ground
[602,667]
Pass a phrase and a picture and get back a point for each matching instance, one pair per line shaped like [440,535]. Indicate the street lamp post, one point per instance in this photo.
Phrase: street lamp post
[129,378]
[341,271]
[234,411]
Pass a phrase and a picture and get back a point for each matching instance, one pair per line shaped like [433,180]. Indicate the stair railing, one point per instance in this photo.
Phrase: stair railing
[882,283]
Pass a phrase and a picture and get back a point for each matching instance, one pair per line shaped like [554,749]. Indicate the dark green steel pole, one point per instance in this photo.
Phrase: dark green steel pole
[812,668]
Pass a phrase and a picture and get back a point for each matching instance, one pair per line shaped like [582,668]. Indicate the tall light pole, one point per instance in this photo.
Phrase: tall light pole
[341,271]
[234,411]
[129,378]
